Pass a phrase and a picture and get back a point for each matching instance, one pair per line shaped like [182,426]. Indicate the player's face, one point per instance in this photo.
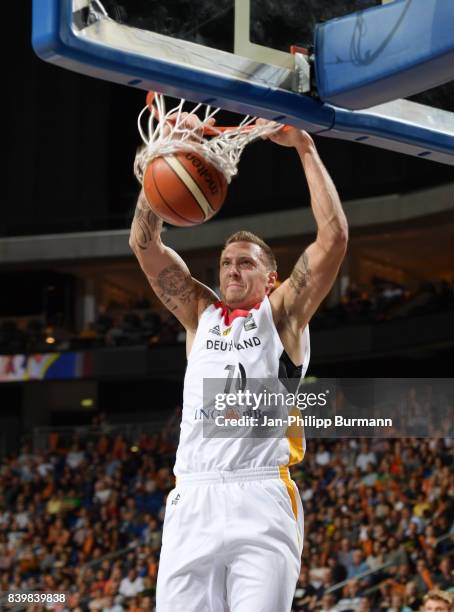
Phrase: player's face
[244,276]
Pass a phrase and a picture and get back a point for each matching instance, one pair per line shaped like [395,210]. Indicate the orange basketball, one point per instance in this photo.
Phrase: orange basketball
[184,189]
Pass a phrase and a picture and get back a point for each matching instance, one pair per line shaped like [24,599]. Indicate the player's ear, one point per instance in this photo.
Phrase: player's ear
[272,278]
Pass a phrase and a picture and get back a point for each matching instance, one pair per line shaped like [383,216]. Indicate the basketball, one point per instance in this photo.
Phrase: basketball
[184,189]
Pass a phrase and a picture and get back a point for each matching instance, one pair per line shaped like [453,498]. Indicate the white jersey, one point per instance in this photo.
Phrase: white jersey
[242,343]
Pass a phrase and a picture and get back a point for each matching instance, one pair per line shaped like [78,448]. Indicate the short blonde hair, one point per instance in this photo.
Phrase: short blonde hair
[245,236]
[442,596]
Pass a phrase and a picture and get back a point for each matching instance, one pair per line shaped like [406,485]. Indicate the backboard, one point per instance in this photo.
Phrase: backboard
[236,54]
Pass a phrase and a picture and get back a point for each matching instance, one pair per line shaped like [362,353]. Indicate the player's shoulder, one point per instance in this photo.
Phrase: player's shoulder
[204,298]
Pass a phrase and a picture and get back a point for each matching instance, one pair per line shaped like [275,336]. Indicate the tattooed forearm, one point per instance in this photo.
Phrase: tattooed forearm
[300,277]
[146,226]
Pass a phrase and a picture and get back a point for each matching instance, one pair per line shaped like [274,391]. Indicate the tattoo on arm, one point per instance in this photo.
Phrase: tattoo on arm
[146,226]
[176,288]
[301,274]
[175,283]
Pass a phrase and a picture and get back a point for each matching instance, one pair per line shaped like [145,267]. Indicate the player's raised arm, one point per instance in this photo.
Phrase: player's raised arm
[316,270]
[166,272]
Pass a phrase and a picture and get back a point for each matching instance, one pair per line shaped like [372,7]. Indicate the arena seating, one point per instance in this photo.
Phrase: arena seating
[85,517]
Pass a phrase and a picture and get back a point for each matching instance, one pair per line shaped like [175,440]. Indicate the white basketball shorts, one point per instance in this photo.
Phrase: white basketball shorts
[232,542]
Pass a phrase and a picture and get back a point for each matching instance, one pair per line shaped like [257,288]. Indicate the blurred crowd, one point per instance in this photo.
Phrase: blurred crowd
[138,324]
[375,516]
[384,300]
[87,519]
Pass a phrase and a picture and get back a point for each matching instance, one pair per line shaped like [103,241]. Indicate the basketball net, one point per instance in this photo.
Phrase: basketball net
[173,131]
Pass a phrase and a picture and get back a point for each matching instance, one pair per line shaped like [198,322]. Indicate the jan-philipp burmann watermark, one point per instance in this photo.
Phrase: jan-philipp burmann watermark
[328,408]
[265,399]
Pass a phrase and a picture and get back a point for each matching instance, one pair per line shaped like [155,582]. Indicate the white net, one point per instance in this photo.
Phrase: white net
[174,131]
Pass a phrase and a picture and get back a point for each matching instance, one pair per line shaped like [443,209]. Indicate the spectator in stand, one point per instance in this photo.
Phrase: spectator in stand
[438,601]
[131,585]
[357,566]
[112,605]
[444,578]
[326,605]
[412,599]
[400,579]
[351,600]
[397,604]
[75,457]
[345,554]
[305,594]
[432,561]
[338,571]
[423,577]
[322,456]
[411,539]
[365,457]
[364,605]
[395,552]
[376,557]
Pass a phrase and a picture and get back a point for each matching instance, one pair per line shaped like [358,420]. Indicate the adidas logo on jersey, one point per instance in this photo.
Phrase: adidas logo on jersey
[216,330]
[176,500]
[249,323]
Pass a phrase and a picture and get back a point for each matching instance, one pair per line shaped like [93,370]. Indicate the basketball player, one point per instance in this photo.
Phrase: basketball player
[233,529]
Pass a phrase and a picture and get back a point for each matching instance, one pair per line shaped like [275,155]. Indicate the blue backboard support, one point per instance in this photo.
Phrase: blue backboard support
[102,48]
